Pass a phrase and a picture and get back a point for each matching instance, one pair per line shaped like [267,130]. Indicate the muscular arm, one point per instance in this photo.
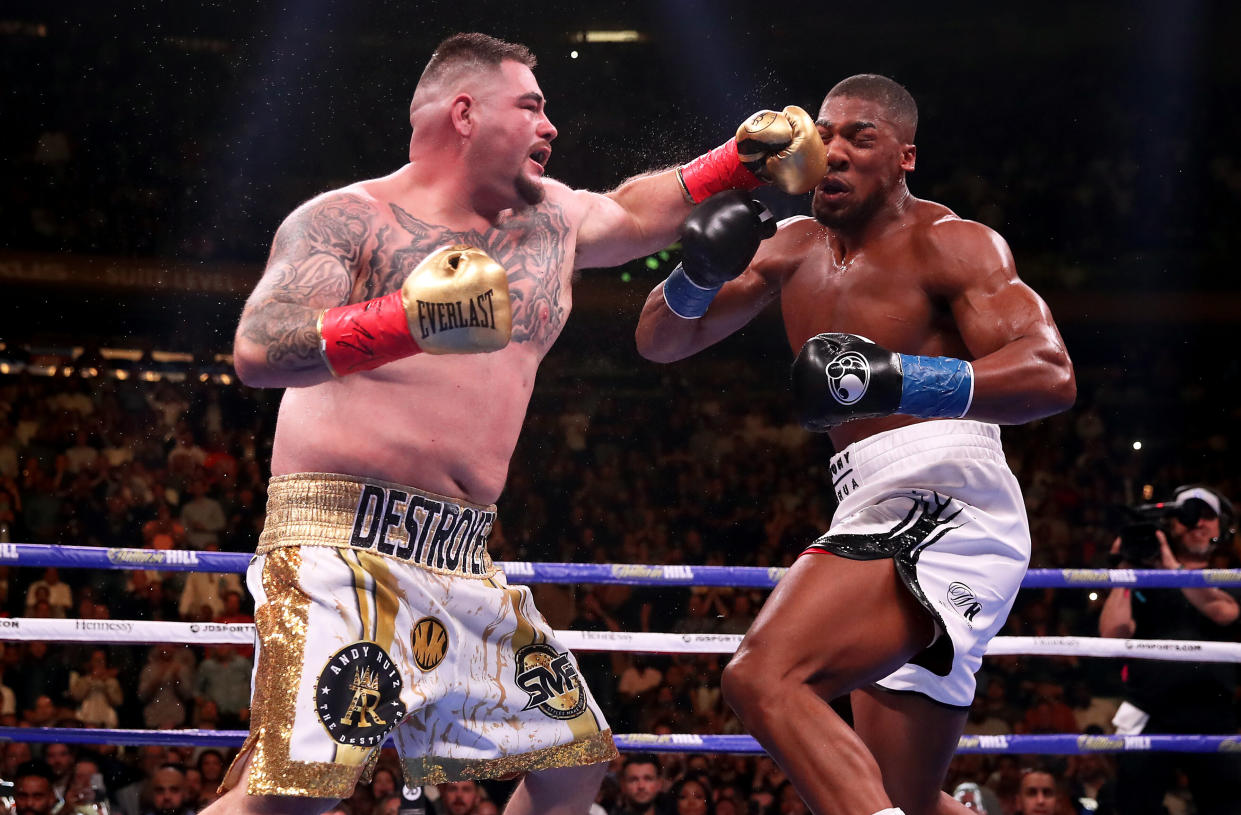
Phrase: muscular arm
[641,216]
[1022,370]
[313,259]
[662,336]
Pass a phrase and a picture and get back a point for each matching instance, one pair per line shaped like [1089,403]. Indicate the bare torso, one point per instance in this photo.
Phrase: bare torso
[883,291]
[446,424]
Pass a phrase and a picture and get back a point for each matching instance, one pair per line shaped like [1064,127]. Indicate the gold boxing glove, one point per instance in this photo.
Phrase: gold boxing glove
[456,301]
[783,149]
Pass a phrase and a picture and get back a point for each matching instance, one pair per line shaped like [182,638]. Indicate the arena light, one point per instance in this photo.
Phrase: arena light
[608,35]
[1137,445]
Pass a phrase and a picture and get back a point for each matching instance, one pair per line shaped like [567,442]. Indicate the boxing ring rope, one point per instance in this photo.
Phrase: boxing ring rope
[138,631]
[520,571]
[1051,744]
[26,629]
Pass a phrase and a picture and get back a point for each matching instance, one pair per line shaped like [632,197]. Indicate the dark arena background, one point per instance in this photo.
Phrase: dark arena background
[150,152]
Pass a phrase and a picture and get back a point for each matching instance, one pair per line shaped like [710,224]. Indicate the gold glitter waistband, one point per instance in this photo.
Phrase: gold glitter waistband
[420,528]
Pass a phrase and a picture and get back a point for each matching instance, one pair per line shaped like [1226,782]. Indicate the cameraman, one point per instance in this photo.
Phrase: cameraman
[1176,697]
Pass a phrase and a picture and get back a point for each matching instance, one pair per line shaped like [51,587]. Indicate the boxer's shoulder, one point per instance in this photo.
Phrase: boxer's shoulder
[785,252]
[955,249]
[937,228]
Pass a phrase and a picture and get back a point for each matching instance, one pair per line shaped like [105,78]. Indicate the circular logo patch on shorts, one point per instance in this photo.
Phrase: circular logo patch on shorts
[358,696]
[551,680]
[429,642]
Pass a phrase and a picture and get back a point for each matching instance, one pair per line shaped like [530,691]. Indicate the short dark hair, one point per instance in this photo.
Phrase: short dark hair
[34,767]
[468,52]
[640,758]
[897,101]
[474,50]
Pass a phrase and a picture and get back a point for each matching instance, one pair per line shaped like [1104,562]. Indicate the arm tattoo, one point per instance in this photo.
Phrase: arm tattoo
[313,259]
[531,248]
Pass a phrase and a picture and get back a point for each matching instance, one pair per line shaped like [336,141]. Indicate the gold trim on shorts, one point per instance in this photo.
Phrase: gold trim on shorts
[283,619]
[594,749]
[435,532]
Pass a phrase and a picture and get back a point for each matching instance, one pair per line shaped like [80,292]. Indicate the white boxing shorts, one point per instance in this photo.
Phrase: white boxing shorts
[939,499]
[380,614]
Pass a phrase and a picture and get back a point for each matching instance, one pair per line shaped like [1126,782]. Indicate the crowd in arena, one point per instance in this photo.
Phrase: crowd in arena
[636,475]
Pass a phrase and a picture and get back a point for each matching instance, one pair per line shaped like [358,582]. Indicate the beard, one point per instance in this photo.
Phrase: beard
[850,217]
[530,190]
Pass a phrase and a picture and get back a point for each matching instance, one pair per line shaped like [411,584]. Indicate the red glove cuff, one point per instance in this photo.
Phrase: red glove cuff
[718,170]
[363,336]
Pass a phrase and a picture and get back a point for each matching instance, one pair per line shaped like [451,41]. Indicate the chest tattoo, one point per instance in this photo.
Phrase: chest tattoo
[530,246]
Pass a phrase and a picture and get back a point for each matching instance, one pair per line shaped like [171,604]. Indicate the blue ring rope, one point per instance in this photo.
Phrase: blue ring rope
[1052,744]
[748,577]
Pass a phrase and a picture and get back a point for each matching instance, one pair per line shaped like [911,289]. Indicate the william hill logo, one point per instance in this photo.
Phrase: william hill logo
[1101,744]
[170,557]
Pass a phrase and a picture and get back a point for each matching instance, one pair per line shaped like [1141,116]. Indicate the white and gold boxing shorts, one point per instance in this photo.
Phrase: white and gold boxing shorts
[380,614]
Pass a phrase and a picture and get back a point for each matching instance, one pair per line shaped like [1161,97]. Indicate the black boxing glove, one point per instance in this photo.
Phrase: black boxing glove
[841,377]
[718,240]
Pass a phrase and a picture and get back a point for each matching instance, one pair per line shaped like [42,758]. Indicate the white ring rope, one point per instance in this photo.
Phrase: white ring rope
[138,631]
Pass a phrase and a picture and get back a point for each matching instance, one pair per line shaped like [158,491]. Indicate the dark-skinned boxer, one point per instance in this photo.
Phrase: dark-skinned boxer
[915,338]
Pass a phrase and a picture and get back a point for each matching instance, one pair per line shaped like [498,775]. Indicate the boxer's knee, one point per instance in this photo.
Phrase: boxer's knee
[748,687]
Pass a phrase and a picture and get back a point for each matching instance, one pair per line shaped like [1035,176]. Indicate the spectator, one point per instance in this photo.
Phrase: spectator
[32,789]
[211,767]
[1048,713]
[165,685]
[163,531]
[1038,793]
[43,714]
[168,792]
[15,753]
[692,796]
[59,595]
[194,790]
[203,517]
[224,678]
[458,798]
[87,793]
[640,785]
[699,614]
[1176,697]
[384,782]
[97,690]
[133,798]
[1091,711]
[60,759]
[388,805]
[202,594]
[637,684]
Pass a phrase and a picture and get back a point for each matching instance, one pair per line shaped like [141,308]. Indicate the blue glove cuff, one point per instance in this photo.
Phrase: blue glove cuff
[686,298]
[936,387]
